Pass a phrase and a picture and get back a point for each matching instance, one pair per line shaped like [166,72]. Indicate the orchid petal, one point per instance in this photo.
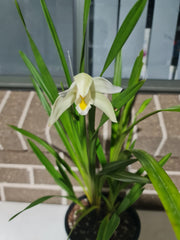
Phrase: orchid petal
[103,103]
[83,82]
[60,105]
[72,88]
[102,85]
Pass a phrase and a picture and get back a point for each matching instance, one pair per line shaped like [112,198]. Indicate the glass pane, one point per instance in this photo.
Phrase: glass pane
[13,37]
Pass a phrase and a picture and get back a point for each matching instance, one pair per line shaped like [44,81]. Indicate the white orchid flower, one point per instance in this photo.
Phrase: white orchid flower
[84,92]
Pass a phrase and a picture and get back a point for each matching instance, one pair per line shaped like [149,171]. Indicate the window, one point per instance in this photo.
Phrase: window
[157,32]
[13,72]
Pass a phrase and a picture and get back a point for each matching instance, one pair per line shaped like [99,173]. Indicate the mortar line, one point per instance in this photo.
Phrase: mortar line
[173,173]
[162,126]
[31,175]
[64,201]
[4,100]
[149,192]
[20,166]
[26,108]
[47,133]
[169,172]
[77,189]
[30,186]
[2,104]
[22,119]
[3,197]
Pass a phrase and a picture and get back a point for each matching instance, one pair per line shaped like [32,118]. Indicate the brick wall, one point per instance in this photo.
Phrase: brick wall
[23,178]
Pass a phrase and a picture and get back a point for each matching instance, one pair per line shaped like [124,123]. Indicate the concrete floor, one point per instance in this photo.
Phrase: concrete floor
[46,221]
[155,226]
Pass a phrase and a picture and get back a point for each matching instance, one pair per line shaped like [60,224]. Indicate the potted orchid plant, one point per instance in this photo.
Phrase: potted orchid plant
[72,112]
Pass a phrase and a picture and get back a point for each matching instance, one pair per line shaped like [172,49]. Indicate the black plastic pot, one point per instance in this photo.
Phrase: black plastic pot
[86,229]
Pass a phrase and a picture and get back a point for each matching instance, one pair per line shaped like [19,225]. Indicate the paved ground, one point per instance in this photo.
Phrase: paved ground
[154,224]
[23,178]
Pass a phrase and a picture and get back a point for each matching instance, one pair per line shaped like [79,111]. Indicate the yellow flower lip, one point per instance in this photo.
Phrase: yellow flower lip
[82,104]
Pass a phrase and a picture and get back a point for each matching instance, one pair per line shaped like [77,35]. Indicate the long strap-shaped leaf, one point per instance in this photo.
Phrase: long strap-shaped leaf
[43,199]
[87,4]
[50,150]
[36,75]
[66,118]
[108,226]
[51,169]
[170,109]
[47,79]
[56,41]
[121,99]
[124,31]
[136,191]
[167,191]
[33,204]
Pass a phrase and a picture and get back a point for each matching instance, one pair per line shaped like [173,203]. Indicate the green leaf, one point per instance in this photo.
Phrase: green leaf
[167,191]
[135,192]
[43,199]
[43,82]
[20,13]
[87,4]
[134,79]
[100,153]
[56,41]
[164,159]
[126,95]
[121,99]
[33,204]
[141,109]
[131,197]
[41,96]
[124,31]
[170,109]
[108,226]
[112,167]
[117,73]
[118,70]
[58,127]
[51,169]
[136,71]
[112,225]
[49,149]
[128,177]
[102,228]
[39,60]
[36,138]
[37,76]
[161,163]
[143,106]
[66,119]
